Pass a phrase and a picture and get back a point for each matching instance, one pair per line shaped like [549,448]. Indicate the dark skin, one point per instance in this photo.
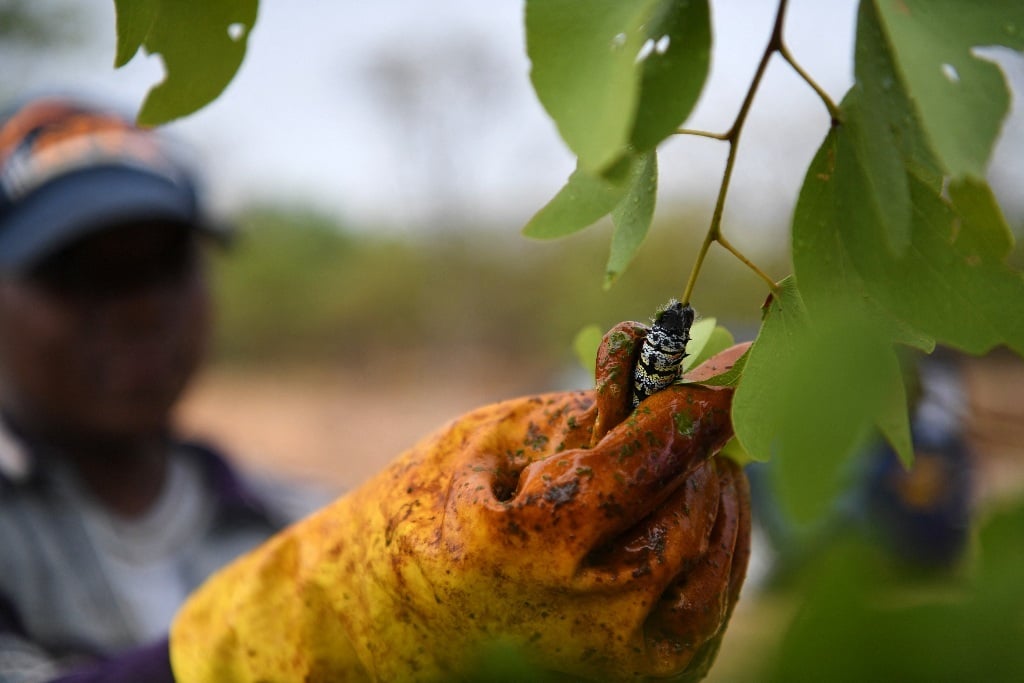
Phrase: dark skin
[97,344]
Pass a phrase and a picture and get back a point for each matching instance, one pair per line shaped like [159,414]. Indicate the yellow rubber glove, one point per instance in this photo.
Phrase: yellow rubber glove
[601,543]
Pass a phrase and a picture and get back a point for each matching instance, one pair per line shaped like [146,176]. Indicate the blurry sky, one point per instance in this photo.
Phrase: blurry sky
[404,114]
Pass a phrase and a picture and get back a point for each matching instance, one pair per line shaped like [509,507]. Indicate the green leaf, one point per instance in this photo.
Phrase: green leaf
[734,450]
[628,191]
[202,43]
[586,343]
[706,339]
[853,602]
[700,334]
[584,200]
[987,237]
[881,107]
[951,285]
[881,197]
[678,56]
[632,216]
[893,415]
[134,21]
[811,392]
[961,99]
[589,72]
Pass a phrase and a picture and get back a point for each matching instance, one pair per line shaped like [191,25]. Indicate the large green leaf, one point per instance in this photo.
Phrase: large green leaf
[951,284]
[592,63]
[960,99]
[954,283]
[833,232]
[202,43]
[675,66]
[812,390]
[632,216]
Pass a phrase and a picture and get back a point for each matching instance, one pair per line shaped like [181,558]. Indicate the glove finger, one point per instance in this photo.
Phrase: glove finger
[663,544]
[616,358]
[687,623]
[596,494]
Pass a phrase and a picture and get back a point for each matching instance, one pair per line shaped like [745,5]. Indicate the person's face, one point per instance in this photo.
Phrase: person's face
[100,340]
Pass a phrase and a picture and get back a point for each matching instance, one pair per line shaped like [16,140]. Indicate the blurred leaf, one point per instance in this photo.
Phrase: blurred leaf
[981,233]
[632,216]
[734,450]
[812,388]
[503,662]
[588,72]
[585,345]
[584,200]
[961,99]
[678,55]
[893,416]
[1001,556]
[861,620]
[202,43]
[134,21]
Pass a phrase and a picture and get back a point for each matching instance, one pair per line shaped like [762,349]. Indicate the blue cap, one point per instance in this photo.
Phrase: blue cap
[68,170]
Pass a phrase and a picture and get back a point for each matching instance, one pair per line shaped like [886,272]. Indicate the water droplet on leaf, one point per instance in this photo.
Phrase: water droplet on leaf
[236,31]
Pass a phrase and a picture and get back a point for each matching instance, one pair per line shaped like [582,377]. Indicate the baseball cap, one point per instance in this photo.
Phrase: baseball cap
[69,169]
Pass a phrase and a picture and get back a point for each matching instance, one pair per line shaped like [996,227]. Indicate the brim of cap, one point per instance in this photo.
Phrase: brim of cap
[82,203]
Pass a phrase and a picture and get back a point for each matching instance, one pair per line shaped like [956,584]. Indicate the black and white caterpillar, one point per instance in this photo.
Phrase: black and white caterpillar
[663,351]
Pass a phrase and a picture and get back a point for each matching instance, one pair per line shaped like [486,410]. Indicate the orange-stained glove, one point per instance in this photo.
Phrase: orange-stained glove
[602,543]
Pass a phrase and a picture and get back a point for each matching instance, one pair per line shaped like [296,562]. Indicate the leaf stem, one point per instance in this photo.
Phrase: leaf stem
[833,109]
[702,134]
[772,285]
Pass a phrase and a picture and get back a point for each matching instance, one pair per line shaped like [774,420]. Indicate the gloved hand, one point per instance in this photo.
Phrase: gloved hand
[601,542]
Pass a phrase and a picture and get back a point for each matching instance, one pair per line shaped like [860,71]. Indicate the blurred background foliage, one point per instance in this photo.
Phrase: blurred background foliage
[297,286]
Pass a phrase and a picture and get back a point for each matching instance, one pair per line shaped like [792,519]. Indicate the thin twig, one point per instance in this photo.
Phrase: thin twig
[833,110]
[714,233]
[702,134]
[772,285]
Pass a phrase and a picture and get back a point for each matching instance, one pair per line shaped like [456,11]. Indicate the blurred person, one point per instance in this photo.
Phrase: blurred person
[108,518]
[598,540]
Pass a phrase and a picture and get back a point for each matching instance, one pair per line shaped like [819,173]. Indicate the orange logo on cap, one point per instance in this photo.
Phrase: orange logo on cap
[50,138]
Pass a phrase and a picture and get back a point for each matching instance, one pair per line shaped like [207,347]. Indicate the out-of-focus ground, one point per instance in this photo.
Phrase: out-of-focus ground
[336,427]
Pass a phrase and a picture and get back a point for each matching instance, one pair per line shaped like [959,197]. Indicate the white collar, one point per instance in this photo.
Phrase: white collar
[14,461]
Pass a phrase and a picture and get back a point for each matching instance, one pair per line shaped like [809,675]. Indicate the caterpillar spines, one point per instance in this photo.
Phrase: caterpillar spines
[663,350]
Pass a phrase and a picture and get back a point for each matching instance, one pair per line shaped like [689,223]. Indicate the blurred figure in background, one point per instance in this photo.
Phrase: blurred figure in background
[920,517]
[108,518]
